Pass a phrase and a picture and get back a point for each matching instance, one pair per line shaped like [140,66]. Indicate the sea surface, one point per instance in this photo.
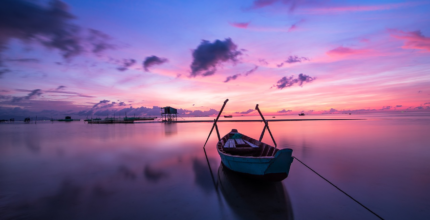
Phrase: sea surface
[74,170]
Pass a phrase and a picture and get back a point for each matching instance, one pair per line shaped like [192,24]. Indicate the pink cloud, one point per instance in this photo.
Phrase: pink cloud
[342,9]
[413,40]
[344,51]
[240,24]
[263,3]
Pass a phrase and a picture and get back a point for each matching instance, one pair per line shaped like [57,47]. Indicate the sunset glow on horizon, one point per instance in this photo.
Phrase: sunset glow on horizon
[79,58]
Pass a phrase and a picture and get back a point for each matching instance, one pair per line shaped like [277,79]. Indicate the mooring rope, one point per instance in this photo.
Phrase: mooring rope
[339,189]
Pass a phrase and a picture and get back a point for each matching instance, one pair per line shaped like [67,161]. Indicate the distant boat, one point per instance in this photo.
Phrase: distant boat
[273,117]
[228,116]
[302,114]
[66,119]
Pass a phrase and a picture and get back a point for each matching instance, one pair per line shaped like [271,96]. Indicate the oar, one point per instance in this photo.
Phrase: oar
[225,102]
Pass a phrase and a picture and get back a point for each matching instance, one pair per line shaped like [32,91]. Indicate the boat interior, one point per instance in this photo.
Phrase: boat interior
[235,143]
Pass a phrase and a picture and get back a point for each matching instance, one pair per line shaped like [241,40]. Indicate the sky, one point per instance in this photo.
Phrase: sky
[97,57]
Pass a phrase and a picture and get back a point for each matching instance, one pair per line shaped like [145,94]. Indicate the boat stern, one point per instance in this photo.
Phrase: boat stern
[281,163]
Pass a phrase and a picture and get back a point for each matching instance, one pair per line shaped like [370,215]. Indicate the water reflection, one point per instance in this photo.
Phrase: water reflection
[170,129]
[251,199]
[202,175]
[152,174]
[126,172]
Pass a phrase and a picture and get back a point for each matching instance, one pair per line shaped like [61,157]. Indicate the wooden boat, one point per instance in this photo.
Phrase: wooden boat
[228,116]
[246,155]
[302,114]
[252,157]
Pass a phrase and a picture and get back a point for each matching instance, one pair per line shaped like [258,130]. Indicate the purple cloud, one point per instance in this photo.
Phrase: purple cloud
[153,60]
[263,62]
[251,71]
[398,106]
[209,55]
[50,26]
[296,59]
[285,82]
[126,63]
[245,112]
[101,103]
[231,78]
[32,94]
[284,111]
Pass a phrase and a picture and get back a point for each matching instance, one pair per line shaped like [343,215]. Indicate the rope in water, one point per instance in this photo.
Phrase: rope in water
[339,189]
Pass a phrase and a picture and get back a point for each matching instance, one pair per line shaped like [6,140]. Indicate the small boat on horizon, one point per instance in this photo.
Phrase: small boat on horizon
[302,114]
[228,116]
[66,119]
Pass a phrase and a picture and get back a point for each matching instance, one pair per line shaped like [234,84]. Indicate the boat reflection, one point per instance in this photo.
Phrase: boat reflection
[251,199]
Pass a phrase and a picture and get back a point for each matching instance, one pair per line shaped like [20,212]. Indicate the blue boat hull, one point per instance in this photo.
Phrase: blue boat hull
[274,168]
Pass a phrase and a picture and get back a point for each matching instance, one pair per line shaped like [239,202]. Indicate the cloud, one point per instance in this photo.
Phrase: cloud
[310,111]
[344,51]
[251,71]
[398,106]
[32,94]
[240,24]
[412,40]
[49,25]
[386,107]
[122,104]
[245,112]
[284,111]
[296,59]
[419,91]
[285,82]
[419,107]
[24,60]
[231,78]
[101,103]
[292,4]
[427,103]
[126,63]
[263,62]
[151,61]
[3,71]
[293,59]
[60,87]
[262,3]
[295,26]
[332,110]
[209,55]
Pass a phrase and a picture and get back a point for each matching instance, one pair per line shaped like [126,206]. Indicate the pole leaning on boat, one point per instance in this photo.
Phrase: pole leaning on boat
[266,125]
[215,125]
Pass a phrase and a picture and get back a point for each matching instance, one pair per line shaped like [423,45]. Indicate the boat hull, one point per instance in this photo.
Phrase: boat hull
[272,168]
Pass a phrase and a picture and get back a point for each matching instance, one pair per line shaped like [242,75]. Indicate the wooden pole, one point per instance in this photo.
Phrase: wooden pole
[266,125]
[216,120]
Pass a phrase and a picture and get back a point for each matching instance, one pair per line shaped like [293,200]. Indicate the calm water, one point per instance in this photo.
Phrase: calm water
[159,171]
